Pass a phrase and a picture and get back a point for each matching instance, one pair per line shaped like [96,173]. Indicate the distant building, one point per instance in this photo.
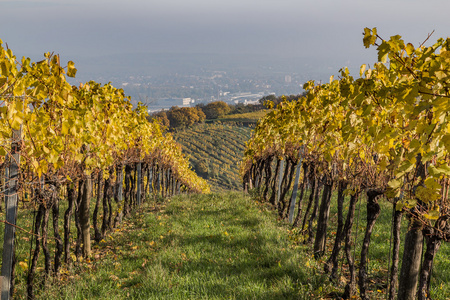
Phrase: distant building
[288,79]
[167,103]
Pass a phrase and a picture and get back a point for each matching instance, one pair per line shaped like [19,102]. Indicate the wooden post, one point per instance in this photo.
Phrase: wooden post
[257,181]
[294,192]
[280,179]
[158,181]
[138,183]
[84,215]
[150,180]
[119,193]
[178,187]
[11,213]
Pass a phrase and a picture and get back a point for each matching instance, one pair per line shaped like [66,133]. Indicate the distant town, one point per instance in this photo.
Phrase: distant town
[161,81]
[163,92]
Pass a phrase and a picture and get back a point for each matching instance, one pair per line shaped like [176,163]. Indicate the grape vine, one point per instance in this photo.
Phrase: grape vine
[385,133]
[76,143]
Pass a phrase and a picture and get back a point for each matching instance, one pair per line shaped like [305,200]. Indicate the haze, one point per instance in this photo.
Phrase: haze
[326,34]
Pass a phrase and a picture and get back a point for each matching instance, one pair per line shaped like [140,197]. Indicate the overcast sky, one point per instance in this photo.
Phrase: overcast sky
[329,29]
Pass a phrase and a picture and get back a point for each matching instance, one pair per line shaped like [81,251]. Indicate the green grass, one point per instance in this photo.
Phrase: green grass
[245,117]
[379,251]
[194,247]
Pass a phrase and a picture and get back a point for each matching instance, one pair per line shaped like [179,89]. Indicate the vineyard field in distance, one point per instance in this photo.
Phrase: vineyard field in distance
[215,151]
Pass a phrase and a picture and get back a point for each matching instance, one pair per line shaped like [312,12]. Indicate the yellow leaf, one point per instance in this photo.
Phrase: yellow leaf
[433,214]
[45,149]
[35,163]
[23,265]
[114,277]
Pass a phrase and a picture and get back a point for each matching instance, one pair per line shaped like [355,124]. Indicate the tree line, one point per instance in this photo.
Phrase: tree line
[184,117]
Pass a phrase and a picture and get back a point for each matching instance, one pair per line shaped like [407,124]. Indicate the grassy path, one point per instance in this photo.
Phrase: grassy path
[195,247]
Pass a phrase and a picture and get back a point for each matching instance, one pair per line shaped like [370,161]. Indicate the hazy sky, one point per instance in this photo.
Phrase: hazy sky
[329,29]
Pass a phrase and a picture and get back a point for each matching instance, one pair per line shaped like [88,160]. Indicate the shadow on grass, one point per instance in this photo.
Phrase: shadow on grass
[214,248]
[243,265]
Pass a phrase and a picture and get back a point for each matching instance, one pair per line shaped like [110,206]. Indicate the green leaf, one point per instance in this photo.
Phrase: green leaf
[432,215]
[443,169]
[410,203]
[432,183]
[4,68]
[395,183]
[409,49]
[370,37]
[383,51]
[445,140]
[71,70]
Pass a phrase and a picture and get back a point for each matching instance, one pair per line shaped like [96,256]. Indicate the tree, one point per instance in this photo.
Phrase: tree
[161,117]
[180,117]
[271,97]
[215,110]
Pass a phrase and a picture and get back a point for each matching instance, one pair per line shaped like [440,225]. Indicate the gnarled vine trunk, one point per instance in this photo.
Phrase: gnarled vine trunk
[283,203]
[373,211]
[396,226]
[314,212]
[412,254]
[433,237]
[350,288]
[84,216]
[273,196]
[332,262]
[322,222]
[300,199]
[58,241]
[67,215]
[268,173]
[97,233]
[32,271]
[314,189]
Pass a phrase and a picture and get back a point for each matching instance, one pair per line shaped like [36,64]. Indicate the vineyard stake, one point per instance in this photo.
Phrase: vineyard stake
[138,190]
[294,192]
[280,178]
[11,214]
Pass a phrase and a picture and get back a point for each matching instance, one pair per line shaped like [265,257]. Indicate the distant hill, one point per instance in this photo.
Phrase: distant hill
[215,152]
